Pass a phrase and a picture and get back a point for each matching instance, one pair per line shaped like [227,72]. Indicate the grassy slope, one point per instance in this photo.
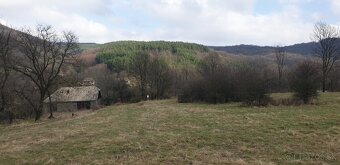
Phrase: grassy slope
[156,132]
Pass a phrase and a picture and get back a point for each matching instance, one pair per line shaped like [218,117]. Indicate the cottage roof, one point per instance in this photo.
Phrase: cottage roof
[74,94]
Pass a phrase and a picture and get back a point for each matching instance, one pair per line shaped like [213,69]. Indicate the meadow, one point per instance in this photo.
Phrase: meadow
[167,132]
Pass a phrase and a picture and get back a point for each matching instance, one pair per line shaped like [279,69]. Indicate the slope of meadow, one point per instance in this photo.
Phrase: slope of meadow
[154,132]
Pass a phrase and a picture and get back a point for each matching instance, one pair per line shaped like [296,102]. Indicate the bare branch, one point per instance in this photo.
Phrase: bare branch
[43,55]
[327,49]
[280,56]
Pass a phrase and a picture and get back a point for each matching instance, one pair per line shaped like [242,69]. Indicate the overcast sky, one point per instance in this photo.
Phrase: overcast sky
[209,22]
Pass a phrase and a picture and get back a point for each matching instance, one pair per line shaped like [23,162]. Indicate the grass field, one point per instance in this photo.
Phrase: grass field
[166,132]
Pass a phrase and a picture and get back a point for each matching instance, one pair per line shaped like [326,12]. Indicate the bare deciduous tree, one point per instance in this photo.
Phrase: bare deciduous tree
[327,39]
[210,64]
[280,56]
[5,36]
[304,81]
[159,77]
[139,68]
[44,53]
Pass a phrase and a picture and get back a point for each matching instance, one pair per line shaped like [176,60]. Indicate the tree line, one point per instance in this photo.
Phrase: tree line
[35,62]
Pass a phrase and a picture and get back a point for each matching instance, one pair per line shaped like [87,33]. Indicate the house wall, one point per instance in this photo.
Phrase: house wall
[95,104]
[66,107]
[61,107]
[69,106]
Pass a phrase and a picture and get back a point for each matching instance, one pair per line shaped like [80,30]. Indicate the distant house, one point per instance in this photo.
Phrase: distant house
[75,98]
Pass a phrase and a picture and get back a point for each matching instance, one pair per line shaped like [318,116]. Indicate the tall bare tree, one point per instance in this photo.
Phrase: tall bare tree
[210,64]
[5,36]
[280,56]
[159,77]
[139,68]
[44,53]
[327,49]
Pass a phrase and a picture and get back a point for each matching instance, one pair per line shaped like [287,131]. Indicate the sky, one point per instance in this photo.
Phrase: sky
[208,22]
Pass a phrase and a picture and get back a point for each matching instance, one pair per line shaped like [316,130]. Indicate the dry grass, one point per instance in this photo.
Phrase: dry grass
[165,132]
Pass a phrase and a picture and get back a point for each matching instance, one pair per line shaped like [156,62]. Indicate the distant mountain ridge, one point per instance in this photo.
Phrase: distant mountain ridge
[305,49]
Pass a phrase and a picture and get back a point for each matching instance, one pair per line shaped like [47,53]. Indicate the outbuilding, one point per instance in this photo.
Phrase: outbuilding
[75,98]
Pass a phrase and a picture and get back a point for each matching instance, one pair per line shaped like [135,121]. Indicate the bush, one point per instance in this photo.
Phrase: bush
[305,81]
[6,117]
[191,91]
[251,86]
[218,87]
[119,91]
[242,84]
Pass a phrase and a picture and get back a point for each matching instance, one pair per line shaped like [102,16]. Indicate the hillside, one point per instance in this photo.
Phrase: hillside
[4,27]
[118,53]
[247,50]
[14,33]
[179,53]
[185,52]
[87,46]
[305,49]
[166,132]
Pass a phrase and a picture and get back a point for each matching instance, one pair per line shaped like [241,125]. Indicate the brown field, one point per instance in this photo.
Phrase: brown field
[166,132]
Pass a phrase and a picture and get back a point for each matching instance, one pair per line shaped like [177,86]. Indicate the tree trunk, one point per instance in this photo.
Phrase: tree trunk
[38,114]
[50,105]
[323,82]
[280,79]
[3,103]
[143,87]
[39,110]
[143,93]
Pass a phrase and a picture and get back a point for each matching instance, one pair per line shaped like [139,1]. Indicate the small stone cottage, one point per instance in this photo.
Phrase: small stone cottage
[75,98]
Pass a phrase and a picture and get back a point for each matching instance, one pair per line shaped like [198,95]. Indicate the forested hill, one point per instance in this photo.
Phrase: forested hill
[86,46]
[306,49]
[118,53]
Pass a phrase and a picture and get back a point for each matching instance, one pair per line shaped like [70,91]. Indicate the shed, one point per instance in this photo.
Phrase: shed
[75,98]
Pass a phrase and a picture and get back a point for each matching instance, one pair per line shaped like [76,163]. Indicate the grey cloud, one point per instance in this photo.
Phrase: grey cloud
[212,22]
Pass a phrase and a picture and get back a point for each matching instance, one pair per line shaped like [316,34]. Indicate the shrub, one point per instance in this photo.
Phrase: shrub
[6,116]
[119,91]
[251,86]
[191,91]
[218,87]
[245,84]
[305,81]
